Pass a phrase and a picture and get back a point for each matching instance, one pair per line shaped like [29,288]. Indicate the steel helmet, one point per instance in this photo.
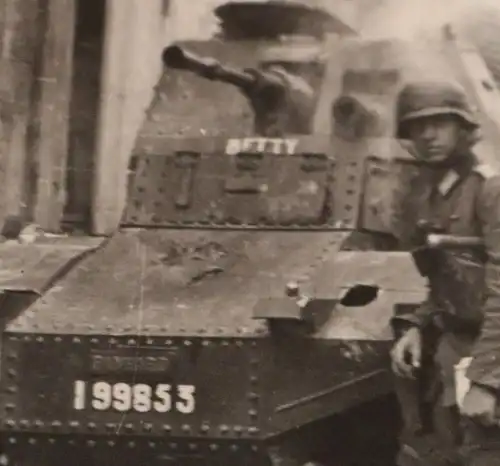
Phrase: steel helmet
[428,98]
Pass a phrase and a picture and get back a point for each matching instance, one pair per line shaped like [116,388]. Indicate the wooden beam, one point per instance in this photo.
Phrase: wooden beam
[51,149]
[108,159]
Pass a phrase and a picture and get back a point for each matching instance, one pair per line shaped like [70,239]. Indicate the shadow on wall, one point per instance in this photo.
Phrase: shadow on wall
[84,108]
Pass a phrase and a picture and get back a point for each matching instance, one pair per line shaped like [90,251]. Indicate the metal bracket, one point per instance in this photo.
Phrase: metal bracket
[294,311]
[186,163]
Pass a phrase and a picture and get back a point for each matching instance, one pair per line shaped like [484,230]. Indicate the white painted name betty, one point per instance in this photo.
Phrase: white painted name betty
[273,145]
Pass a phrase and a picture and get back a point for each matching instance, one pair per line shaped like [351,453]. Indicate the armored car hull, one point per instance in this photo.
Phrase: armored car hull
[153,346]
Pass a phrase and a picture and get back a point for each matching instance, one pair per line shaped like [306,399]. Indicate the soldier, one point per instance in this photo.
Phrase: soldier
[463,198]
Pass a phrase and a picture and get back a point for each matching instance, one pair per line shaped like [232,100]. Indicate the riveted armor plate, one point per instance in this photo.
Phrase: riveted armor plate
[282,183]
[176,387]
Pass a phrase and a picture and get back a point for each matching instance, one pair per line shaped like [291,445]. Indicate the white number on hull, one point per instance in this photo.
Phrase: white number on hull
[141,398]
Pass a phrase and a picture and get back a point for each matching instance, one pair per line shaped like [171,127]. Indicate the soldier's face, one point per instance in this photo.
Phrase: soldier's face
[435,137]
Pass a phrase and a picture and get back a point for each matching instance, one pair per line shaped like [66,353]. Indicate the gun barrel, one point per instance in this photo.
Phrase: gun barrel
[438,241]
[178,58]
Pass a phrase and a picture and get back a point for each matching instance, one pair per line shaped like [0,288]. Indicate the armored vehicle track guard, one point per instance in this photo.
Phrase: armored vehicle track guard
[241,313]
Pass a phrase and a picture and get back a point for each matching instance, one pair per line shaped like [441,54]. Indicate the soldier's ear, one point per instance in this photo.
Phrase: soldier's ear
[470,137]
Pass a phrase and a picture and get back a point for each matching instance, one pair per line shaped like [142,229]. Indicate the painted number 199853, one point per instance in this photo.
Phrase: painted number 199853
[142,398]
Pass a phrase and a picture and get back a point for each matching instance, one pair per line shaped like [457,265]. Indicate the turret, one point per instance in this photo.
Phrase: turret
[282,100]
[271,19]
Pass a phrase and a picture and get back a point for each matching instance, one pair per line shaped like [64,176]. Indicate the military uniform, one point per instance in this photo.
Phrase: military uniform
[482,444]
[463,199]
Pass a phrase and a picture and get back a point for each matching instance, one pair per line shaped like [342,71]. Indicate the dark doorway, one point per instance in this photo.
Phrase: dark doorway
[84,111]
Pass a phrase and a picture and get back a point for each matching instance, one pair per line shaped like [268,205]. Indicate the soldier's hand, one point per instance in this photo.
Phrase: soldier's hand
[480,405]
[407,353]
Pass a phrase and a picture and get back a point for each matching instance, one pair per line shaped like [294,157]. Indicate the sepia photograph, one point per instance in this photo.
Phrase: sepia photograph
[250,232]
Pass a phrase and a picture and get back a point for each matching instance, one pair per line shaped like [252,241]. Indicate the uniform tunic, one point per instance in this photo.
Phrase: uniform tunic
[465,201]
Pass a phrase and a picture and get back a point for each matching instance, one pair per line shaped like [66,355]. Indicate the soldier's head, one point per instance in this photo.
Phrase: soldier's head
[436,117]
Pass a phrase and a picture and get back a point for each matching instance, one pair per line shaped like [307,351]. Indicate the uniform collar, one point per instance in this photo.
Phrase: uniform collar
[451,175]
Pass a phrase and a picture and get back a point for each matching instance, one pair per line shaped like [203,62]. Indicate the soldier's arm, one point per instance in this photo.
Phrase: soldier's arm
[420,318]
[485,367]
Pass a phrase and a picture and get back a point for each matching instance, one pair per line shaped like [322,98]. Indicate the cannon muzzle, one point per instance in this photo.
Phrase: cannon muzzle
[176,57]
